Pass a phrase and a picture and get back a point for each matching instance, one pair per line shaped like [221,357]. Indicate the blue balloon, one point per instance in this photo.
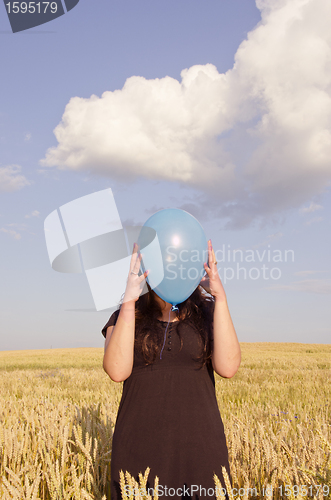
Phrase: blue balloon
[176,256]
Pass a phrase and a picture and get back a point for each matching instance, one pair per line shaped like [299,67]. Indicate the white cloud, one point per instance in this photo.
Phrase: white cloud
[159,129]
[305,273]
[255,140]
[11,179]
[27,137]
[269,238]
[310,286]
[35,213]
[14,234]
[315,219]
[312,208]
[19,226]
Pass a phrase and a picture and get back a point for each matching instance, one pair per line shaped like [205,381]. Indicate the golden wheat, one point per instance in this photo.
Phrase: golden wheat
[58,408]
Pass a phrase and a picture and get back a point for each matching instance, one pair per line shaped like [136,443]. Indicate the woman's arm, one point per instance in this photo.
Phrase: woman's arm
[226,355]
[119,346]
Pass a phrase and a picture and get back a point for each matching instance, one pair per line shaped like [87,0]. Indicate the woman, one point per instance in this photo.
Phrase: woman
[168,417]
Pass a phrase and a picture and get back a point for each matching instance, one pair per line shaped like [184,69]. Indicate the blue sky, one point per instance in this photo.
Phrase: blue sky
[241,140]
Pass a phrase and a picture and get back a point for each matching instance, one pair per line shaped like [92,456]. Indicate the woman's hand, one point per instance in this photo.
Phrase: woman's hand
[212,282]
[134,287]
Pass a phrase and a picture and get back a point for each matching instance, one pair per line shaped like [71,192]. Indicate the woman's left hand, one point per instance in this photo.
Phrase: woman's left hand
[212,282]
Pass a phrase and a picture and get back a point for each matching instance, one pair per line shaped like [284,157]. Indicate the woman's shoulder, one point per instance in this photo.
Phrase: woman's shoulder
[111,322]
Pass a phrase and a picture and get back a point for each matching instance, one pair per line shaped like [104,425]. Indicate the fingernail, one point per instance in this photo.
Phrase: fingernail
[134,246]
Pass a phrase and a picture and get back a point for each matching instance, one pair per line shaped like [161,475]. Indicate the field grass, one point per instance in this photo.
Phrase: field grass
[58,408]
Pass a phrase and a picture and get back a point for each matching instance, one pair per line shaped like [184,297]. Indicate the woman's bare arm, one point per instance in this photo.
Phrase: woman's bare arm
[119,346]
[226,355]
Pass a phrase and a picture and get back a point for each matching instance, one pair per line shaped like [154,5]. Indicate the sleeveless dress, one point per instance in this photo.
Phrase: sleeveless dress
[168,419]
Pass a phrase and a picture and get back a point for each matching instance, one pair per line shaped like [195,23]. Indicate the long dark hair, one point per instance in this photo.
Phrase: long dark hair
[197,310]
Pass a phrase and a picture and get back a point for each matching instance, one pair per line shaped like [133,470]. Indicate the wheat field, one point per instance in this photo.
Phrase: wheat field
[58,408]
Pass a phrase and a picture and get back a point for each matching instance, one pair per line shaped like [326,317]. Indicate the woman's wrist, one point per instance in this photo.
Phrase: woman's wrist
[128,310]
[220,297]
[128,302]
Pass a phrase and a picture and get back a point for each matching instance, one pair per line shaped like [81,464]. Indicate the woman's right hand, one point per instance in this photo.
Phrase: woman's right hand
[119,351]
[134,287]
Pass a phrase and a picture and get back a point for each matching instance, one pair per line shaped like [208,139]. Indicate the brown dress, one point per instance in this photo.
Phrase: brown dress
[168,419]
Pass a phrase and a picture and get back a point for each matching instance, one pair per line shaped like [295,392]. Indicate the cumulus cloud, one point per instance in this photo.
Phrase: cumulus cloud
[158,129]
[312,221]
[312,208]
[11,179]
[34,213]
[269,239]
[19,225]
[255,140]
[305,273]
[14,233]
[11,232]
